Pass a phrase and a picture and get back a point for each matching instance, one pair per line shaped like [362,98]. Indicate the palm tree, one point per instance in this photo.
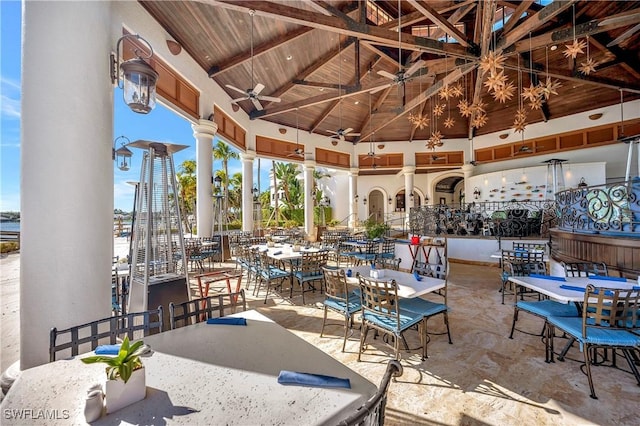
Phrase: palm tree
[222,151]
[186,177]
[235,196]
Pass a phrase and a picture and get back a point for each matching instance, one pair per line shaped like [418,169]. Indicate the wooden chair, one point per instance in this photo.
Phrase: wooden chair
[382,311]
[372,412]
[198,310]
[86,337]
[339,299]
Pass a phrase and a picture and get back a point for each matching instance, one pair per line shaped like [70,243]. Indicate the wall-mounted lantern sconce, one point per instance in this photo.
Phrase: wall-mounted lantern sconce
[356,198]
[411,197]
[364,201]
[217,184]
[476,193]
[390,200]
[582,183]
[122,155]
[256,193]
[138,82]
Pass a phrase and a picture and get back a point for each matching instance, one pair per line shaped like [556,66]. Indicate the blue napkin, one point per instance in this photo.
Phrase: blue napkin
[275,253]
[107,350]
[635,287]
[314,380]
[417,276]
[349,272]
[572,287]
[597,277]
[227,321]
[548,277]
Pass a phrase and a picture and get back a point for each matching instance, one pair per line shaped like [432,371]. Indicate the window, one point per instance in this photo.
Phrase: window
[375,14]
[429,31]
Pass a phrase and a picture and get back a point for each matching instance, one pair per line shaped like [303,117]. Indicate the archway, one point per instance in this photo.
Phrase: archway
[375,206]
[448,188]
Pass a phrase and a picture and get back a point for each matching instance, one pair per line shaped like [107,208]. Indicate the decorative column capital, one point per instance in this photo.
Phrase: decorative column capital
[204,128]
[467,168]
[406,170]
[249,155]
[309,165]
[354,171]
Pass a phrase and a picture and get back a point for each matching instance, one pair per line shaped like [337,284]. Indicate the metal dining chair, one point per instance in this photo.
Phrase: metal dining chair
[339,299]
[198,310]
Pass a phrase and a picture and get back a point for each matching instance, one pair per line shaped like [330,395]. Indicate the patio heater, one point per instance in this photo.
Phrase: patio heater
[555,177]
[220,213]
[158,261]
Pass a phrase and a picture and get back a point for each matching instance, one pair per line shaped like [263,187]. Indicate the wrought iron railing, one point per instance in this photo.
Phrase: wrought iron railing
[496,219]
[613,208]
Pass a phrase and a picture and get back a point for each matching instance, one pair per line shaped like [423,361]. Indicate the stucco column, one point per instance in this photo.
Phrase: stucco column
[353,203]
[308,168]
[247,187]
[204,131]
[409,173]
[467,169]
[66,170]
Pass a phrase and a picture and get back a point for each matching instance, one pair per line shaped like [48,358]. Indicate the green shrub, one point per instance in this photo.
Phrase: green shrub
[9,246]
[374,229]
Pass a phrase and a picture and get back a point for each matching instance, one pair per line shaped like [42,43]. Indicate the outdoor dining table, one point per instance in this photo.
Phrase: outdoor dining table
[200,374]
[408,285]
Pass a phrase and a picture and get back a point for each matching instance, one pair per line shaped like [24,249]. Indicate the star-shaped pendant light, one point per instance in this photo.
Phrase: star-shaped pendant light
[491,62]
[464,108]
[504,93]
[572,50]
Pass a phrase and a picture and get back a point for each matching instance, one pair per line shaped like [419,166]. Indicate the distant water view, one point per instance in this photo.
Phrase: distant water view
[9,226]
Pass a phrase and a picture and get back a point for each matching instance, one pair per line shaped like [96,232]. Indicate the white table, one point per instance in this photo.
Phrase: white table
[203,374]
[552,288]
[408,286]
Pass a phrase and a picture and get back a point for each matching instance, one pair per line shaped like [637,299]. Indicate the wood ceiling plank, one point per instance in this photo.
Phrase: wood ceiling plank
[342,26]
[515,16]
[428,11]
[455,18]
[488,12]
[624,62]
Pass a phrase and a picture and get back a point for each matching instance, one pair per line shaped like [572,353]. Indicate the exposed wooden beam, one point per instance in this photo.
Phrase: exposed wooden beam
[533,22]
[319,6]
[454,19]
[414,128]
[428,11]
[341,26]
[619,55]
[261,49]
[383,97]
[382,53]
[515,16]
[488,12]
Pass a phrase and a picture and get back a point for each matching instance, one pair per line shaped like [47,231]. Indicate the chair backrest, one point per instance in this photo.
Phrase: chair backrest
[599,311]
[388,246]
[514,261]
[379,297]
[311,263]
[372,412]
[528,246]
[584,269]
[336,286]
[198,310]
[388,263]
[86,337]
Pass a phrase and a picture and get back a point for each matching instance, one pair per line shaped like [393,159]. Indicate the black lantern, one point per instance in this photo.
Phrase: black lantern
[122,155]
[476,193]
[138,81]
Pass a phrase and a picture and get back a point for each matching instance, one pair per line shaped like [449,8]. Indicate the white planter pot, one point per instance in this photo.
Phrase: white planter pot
[119,394]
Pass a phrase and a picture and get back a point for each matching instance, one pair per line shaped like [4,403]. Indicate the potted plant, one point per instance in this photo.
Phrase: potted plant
[125,375]
[374,229]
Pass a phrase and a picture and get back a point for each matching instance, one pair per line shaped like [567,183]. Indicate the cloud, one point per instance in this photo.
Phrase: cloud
[10,201]
[10,103]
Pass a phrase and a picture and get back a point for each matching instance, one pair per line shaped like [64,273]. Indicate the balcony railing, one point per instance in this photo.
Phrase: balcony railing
[610,209]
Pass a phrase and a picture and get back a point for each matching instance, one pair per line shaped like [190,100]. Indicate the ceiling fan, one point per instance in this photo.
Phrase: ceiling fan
[252,94]
[372,152]
[341,133]
[299,150]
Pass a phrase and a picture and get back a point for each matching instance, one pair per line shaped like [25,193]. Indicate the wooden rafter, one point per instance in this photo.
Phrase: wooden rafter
[616,54]
[515,16]
[455,18]
[428,11]
[383,97]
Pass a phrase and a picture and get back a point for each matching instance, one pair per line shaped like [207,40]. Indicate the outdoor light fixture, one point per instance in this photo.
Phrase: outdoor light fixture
[138,82]
[476,193]
[122,155]
[217,183]
[364,201]
[356,198]
[256,192]
[390,200]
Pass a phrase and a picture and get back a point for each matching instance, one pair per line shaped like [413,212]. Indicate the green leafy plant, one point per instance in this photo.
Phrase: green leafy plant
[374,229]
[124,364]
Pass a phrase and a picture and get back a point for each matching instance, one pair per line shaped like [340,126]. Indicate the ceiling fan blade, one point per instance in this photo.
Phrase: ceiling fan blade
[257,104]
[235,101]
[259,88]
[347,130]
[352,134]
[624,36]
[379,88]
[244,92]
[413,68]
[341,137]
[331,131]
[269,99]
[387,74]
[619,20]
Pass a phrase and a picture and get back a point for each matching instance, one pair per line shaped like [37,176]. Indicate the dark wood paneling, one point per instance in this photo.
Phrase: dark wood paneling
[229,128]
[332,158]
[622,255]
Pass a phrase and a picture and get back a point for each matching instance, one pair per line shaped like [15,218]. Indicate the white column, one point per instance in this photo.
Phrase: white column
[353,203]
[409,173]
[204,131]
[67,170]
[467,169]
[309,228]
[247,185]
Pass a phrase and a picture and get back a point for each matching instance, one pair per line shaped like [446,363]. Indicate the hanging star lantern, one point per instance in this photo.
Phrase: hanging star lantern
[464,108]
[504,93]
[419,120]
[521,113]
[479,121]
[496,80]
[478,107]
[436,138]
[531,93]
[520,121]
[588,67]
[491,61]
[445,92]
[550,87]
[456,90]
[536,103]
[449,122]
[431,144]
[572,50]
[438,110]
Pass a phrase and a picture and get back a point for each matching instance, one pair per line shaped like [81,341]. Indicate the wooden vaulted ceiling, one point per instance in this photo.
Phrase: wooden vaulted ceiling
[322,57]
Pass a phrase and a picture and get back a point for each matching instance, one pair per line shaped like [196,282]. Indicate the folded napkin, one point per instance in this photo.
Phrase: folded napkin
[349,272]
[598,277]
[275,253]
[572,287]
[548,277]
[635,287]
[227,321]
[314,380]
[417,276]
[107,350]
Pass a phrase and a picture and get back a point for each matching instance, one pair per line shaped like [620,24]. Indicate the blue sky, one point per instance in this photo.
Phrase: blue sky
[160,124]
